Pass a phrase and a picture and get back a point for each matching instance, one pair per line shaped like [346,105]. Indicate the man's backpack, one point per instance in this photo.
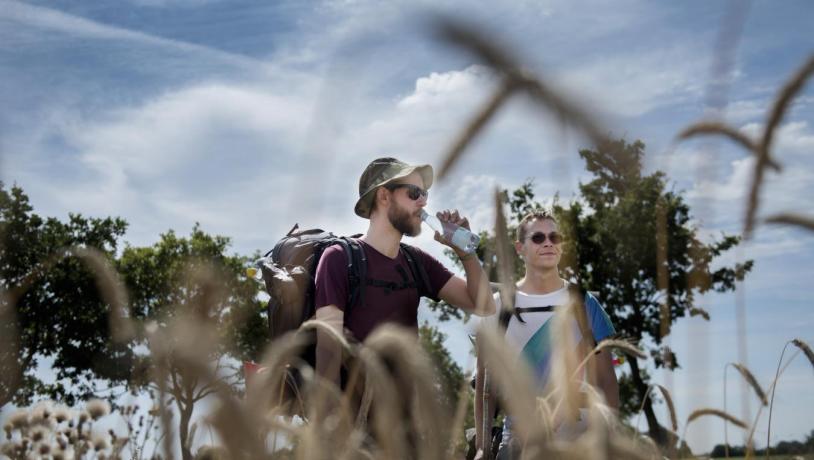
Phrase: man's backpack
[289,272]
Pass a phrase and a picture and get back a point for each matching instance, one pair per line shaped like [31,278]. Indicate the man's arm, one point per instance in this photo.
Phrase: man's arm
[606,378]
[329,351]
[472,295]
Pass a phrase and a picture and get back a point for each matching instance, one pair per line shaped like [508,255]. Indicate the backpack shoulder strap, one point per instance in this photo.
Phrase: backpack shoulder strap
[357,271]
[422,280]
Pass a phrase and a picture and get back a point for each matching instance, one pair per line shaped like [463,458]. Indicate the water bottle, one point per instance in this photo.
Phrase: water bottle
[254,271]
[460,237]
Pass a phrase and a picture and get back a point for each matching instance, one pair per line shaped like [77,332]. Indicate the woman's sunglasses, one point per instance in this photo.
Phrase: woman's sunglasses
[540,237]
[414,192]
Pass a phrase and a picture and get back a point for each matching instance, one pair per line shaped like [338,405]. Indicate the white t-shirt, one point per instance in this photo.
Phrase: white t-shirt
[532,337]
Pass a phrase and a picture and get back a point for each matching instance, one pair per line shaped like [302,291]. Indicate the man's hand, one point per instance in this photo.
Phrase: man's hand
[454,217]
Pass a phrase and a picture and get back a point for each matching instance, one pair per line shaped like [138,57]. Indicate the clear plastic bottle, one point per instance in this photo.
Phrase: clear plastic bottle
[254,270]
[460,237]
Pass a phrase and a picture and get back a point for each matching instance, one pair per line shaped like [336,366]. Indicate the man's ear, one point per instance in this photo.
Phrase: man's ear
[382,197]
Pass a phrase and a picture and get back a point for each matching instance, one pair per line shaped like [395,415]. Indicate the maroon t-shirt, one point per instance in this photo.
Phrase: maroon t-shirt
[379,304]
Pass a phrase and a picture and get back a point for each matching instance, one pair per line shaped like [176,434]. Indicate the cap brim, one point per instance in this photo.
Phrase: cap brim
[362,208]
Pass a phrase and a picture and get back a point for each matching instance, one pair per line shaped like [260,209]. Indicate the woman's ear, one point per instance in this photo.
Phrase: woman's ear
[518,248]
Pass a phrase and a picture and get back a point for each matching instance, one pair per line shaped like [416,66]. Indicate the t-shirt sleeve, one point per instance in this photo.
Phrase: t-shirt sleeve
[600,321]
[331,280]
[437,273]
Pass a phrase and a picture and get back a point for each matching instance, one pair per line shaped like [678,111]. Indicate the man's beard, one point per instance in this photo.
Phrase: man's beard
[402,221]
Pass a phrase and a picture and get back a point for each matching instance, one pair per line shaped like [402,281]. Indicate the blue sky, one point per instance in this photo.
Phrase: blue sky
[249,116]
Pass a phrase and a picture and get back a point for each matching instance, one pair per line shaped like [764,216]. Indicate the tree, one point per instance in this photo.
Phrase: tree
[631,239]
[61,315]
[200,299]
[639,249]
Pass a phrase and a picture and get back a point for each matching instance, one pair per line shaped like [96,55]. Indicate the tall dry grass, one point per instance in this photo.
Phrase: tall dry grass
[390,408]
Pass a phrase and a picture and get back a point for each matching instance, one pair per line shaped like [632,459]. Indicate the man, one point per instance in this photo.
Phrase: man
[391,195]
[539,245]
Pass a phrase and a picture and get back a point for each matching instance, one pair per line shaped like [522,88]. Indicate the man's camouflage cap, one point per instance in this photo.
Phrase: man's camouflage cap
[382,171]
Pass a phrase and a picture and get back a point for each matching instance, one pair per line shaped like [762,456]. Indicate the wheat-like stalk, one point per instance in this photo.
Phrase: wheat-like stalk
[672,409]
[750,378]
[792,219]
[513,382]
[805,349]
[696,414]
[611,344]
[706,128]
[761,149]
[413,372]
[515,79]
[778,111]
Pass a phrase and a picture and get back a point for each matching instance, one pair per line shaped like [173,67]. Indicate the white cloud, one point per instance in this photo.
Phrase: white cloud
[55,20]
[449,89]
[745,110]
[632,84]
[793,137]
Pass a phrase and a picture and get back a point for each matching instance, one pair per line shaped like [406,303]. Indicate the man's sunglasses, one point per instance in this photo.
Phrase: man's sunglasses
[414,192]
[540,237]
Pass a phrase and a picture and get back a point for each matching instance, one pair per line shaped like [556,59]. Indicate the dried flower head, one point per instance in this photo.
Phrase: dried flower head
[62,414]
[44,449]
[7,449]
[38,434]
[41,413]
[100,443]
[7,428]
[84,417]
[19,419]
[97,408]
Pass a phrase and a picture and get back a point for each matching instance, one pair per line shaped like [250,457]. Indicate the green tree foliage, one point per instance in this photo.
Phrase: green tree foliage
[61,315]
[188,285]
[449,374]
[165,279]
[633,241]
[781,448]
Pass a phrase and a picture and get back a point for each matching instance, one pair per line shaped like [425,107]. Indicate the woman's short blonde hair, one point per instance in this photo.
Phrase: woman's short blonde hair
[540,214]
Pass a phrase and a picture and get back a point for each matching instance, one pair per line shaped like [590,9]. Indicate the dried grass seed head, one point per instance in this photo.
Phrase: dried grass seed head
[805,348]
[100,443]
[19,419]
[750,378]
[62,414]
[38,434]
[97,408]
[41,413]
